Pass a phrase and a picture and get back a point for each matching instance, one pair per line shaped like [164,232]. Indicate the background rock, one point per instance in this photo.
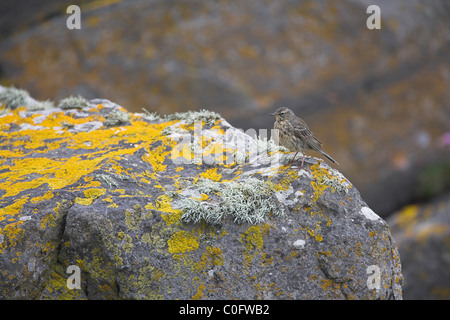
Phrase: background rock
[422,233]
[105,199]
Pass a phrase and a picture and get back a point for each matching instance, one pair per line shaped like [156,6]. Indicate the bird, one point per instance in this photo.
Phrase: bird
[294,134]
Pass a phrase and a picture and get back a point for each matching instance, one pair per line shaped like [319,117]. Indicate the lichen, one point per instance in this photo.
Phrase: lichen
[210,258]
[253,241]
[90,196]
[248,201]
[73,102]
[181,242]
[13,97]
[41,105]
[133,217]
[117,118]
[208,117]
[324,178]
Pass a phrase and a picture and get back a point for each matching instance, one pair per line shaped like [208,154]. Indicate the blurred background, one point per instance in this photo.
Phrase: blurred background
[379,100]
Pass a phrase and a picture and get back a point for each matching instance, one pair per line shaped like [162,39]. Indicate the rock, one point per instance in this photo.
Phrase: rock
[422,232]
[183,206]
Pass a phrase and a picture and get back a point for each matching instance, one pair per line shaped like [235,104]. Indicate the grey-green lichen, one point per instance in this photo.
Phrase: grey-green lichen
[41,105]
[117,118]
[106,178]
[73,102]
[190,117]
[13,97]
[248,201]
[339,184]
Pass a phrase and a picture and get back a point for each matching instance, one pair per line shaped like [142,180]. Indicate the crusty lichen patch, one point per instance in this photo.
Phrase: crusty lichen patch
[324,178]
[182,241]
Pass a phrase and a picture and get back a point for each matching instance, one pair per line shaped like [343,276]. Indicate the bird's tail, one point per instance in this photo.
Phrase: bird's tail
[329,157]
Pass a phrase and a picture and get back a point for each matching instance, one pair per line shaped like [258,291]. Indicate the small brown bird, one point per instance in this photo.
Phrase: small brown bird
[295,135]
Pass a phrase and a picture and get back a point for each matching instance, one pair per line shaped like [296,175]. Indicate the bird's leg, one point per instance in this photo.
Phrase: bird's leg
[303,160]
[293,158]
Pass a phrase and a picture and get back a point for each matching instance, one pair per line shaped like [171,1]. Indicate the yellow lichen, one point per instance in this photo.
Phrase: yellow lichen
[90,196]
[211,174]
[407,216]
[46,196]
[60,172]
[253,237]
[199,293]
[210,258]
[12,234]
[12,209]
[181,242]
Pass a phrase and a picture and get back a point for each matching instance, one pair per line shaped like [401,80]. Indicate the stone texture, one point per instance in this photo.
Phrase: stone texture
[114,200]
[422,232]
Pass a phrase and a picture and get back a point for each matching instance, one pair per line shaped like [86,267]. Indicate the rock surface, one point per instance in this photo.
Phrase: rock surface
[422,233]
[177,207]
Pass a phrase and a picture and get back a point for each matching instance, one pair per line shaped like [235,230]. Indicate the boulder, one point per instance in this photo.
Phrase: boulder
[422,232]
[99,203]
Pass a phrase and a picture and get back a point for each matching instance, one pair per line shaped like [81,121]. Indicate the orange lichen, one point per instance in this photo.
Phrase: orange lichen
[60,172]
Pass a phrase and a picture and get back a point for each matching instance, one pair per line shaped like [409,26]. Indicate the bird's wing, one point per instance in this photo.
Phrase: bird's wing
[302,131]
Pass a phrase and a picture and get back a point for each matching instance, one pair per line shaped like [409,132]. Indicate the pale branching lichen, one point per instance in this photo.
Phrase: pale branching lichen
[73,102]
[248,201]
[41,105]
[151,116]
[106,178]
[269,146]
[13,97]
[117,118]
[341,186]
[190,117]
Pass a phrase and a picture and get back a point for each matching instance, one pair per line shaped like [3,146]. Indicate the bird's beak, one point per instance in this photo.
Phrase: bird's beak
[271,114]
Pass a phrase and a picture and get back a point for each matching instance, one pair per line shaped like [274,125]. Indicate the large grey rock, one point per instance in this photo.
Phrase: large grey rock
[141,220]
